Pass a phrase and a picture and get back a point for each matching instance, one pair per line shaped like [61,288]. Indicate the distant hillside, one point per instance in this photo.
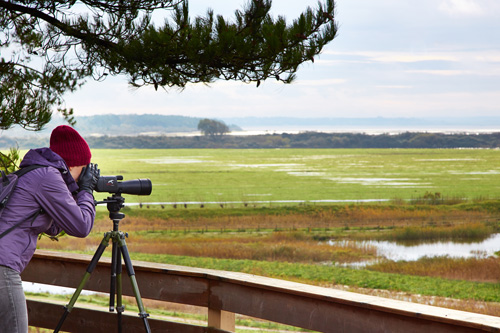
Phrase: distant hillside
[112,124]
[135,124]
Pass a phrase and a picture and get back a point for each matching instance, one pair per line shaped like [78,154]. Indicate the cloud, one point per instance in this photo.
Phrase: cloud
[394,87]
[442,72]
[391,57]
[461,8]
[439,62]
[319,83]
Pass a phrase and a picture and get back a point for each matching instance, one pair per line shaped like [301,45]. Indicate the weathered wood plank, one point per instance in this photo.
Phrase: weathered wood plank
[47,315]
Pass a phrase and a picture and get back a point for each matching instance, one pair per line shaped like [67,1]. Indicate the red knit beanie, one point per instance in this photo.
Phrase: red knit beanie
[67,143]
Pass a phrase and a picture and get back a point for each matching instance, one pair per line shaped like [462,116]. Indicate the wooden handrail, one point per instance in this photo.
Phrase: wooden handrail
[226,293]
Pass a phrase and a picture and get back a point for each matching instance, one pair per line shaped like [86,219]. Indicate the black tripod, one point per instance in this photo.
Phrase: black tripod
[119,249]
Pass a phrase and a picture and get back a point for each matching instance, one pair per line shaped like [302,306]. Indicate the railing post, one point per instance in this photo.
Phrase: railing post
[222,320]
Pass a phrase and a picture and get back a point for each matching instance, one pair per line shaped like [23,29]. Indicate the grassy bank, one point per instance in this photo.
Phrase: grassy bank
[330,275]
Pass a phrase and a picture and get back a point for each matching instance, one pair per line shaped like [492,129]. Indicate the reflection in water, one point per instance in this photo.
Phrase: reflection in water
[395,251]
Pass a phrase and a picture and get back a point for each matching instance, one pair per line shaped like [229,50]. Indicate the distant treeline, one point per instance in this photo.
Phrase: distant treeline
[301,140]
[305,140]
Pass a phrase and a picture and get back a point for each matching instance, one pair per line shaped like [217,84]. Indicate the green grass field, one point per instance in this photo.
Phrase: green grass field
[267,175]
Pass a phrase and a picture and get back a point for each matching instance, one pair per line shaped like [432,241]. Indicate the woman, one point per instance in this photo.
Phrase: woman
[61,191]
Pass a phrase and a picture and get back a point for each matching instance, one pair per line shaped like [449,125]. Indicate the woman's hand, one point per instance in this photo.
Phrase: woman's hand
[88,178]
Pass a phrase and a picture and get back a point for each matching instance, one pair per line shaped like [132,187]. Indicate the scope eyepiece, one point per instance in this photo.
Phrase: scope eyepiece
[113,184]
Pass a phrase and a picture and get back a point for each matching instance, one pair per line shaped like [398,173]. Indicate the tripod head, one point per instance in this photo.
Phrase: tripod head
[114,204]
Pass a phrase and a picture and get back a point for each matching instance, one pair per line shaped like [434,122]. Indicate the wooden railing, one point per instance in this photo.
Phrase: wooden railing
[227,293]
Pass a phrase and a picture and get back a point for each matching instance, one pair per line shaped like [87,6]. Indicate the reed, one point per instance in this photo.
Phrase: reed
[275,246]
[470,269]
[459,233]
[303,217]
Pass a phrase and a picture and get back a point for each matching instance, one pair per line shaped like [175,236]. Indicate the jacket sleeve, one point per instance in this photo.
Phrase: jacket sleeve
[73,215]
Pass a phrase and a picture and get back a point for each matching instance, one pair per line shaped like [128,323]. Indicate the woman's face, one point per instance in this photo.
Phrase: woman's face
[75,171]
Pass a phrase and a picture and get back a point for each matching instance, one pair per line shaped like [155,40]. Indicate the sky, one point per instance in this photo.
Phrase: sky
[391,58]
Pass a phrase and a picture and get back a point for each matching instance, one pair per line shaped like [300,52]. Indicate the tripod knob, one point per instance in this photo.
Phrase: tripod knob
[116,215]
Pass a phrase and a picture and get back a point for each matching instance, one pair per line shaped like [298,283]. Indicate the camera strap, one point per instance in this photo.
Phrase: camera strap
[32,216]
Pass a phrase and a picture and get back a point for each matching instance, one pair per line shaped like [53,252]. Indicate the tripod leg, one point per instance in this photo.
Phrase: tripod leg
[116,281]
[130,271]
[119,305]
[112,284]
[86,276]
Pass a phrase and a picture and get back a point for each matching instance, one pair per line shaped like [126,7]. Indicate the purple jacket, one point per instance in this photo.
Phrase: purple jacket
[49,189]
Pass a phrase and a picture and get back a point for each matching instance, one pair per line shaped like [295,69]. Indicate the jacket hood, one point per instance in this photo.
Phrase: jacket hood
[46,157]
[43,156]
